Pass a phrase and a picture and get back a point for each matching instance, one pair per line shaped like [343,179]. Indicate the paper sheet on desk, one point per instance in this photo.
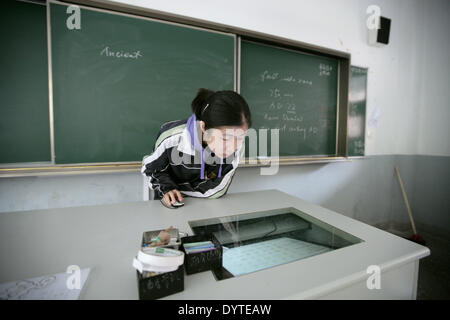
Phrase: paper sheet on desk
[266,254]
[51,287]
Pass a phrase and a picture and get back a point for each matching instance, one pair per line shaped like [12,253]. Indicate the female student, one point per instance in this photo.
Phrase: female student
[198,156]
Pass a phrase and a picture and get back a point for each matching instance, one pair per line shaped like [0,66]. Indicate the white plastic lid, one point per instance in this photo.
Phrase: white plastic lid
[158,259]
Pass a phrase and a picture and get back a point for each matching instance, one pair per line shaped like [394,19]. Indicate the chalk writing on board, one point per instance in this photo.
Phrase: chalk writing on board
[290,117]
[358,146]
[275,93]
[275,106]
[267,75]
[296,80]
[287,116]
[282,111]
[324,69]
[267,117]
[290,106]
[121,54]
[303,131]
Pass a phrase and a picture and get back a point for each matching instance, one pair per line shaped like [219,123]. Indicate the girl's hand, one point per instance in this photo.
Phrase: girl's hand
[172,196]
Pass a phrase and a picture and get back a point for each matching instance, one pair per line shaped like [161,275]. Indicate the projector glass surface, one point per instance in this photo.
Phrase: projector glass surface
[259,240]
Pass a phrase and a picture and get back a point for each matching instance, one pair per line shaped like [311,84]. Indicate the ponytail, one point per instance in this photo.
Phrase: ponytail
[221,108]
[200,101]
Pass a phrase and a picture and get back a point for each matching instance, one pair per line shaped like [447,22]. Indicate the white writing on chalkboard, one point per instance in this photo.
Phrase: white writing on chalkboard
[120,54]
[299,129]
[267,117]
[297,80]
[358,146]
[269,76]
[275,93]
[282,111]
[266,75]
[290,117]
[324,69]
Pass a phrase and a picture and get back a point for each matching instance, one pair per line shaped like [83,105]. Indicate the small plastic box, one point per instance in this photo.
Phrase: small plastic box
[202,261]
[149,236]
[163,284]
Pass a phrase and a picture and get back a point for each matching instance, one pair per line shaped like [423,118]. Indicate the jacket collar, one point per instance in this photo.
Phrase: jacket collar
[191,142]
[185,145]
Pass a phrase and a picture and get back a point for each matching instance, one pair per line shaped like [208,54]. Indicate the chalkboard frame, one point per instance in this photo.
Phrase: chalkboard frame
[50,64]
[282,160]
[45,168]
[366,69]
[34,169]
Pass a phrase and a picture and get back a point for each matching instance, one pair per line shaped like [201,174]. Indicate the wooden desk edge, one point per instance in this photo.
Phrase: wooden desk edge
[75,169]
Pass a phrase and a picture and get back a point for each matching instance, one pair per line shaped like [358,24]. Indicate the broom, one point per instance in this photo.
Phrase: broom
[415,237]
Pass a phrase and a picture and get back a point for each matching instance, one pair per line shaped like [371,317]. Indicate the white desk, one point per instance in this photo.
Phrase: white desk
[107,237]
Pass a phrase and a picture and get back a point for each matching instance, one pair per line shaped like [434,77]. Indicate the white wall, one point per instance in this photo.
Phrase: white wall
[408,79]
[434,111]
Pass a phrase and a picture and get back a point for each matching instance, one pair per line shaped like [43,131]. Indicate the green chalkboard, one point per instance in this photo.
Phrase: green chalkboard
[357,113]
[118,78]
[294,92]
[24,115]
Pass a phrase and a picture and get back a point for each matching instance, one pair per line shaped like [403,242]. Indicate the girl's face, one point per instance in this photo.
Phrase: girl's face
[223,141]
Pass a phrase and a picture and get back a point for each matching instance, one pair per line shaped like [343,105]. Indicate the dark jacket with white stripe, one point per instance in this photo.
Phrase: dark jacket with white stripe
[180,161]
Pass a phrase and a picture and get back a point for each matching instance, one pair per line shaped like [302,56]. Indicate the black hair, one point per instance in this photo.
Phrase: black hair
[221,108]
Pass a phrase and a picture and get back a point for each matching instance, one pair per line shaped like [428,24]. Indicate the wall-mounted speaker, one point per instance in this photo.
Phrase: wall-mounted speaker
[379,37]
